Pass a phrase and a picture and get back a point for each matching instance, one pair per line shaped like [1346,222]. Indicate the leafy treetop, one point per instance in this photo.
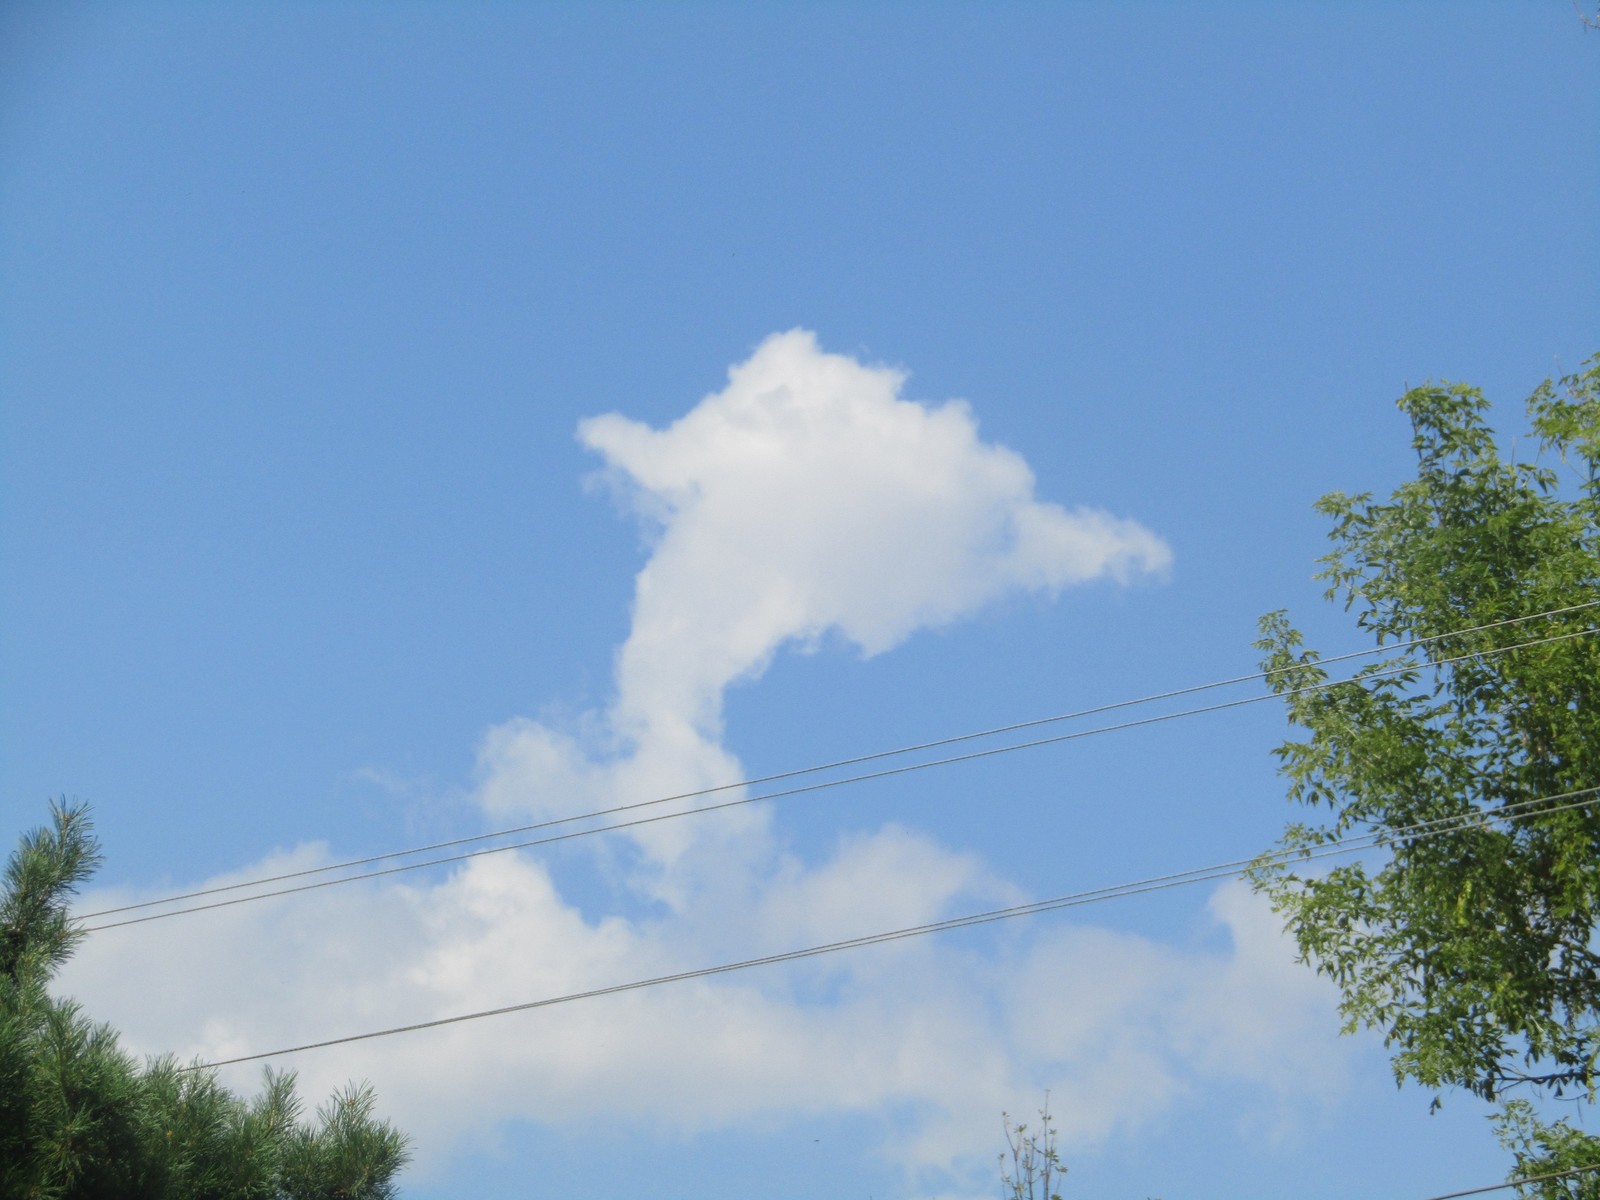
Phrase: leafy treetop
[1473,952]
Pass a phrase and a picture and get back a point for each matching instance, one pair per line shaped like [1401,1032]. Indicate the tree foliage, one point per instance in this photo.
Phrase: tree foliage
[1559,1152]
[1475,952]
[80,1118]
[1030,1168]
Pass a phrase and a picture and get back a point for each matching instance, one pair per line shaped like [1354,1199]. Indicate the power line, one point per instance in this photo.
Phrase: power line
[1419,831]
[1192,689]
[1055,739]
[1495,1187]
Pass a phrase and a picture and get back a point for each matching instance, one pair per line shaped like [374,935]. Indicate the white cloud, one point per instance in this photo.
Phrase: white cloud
[943,1033]
[806,498]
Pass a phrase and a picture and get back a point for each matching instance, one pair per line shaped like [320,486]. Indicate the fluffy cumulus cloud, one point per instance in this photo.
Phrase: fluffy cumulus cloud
[808,496]
[806,499]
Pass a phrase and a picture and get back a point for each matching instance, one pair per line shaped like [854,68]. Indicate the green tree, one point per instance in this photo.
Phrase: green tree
[80,1118]
[1475,953]
[1035,1169]
[1563,1154]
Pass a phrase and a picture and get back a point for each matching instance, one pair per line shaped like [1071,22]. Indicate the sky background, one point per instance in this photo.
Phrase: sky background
[422,419]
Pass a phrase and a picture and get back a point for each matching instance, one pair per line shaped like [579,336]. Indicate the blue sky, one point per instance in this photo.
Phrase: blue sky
[318,541]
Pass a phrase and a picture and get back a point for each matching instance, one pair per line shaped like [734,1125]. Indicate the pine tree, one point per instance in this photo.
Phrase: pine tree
[80,1118]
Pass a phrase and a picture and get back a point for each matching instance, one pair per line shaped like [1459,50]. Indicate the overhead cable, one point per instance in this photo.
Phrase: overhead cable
[757,781]
[1418,831]
[1510,1183]
[885,773]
